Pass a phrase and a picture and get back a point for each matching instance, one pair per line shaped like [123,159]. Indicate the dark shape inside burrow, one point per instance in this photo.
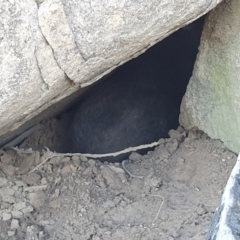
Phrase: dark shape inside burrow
[139,102]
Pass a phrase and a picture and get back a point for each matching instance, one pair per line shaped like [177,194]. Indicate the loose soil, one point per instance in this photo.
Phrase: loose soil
[72,197]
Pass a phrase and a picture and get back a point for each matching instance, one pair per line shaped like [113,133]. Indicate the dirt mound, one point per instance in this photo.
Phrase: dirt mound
[72,197]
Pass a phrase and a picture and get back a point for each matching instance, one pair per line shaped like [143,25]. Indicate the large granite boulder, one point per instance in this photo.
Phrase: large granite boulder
[49,49]
[212,100]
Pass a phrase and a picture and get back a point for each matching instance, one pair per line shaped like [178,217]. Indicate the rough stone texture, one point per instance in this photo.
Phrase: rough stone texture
[30,76]
[48,49]
[211,102]
[95,38]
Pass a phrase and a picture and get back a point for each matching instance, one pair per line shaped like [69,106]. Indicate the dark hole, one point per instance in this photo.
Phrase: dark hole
[140,101]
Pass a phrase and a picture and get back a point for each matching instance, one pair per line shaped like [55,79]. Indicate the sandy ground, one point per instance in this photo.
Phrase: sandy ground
[72,197]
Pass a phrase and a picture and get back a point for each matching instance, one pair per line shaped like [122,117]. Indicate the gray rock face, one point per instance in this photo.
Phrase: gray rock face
[211,102]
[48,49]
[94,38]
[30,76]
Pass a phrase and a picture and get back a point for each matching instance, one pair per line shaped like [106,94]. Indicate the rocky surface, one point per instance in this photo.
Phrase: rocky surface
[49,48]
[211,102]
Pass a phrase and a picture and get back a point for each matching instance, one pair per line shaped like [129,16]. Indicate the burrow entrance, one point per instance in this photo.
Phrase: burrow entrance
[56,196]
[138,103]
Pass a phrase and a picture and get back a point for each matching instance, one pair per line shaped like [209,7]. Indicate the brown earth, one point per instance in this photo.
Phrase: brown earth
[72,197]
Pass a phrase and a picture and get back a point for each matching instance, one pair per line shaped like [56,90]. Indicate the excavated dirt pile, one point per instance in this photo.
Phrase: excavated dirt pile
[44,195]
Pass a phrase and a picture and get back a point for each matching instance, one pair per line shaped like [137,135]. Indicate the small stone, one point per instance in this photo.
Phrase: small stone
[19,206]
[71,188]
[17,214]
[152,181]
[44,181]
[3,181]
[57,192]
[49,168]
[66,170]
[55,203]
[7,191]
[91,162]
[31,178]
[8,199]
[175,134]
[95,171]
[41,235]
[66,160]
[5,206]
[31,232]
[15,188]
[76,161]
[26,164]
[135,156]
[9,170]
[27,210]
[73,168]
[173,147]
[48,228]
[11,233]
[83,158]
[14,224]
[37,199]
[37,158]
[20,183]
[6,216]
[50,179]
[6,159]
[88,172]
[57,180]
[35,188]
[117,169]
[180,129]
[192,136]
[55,160]
[108,204]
